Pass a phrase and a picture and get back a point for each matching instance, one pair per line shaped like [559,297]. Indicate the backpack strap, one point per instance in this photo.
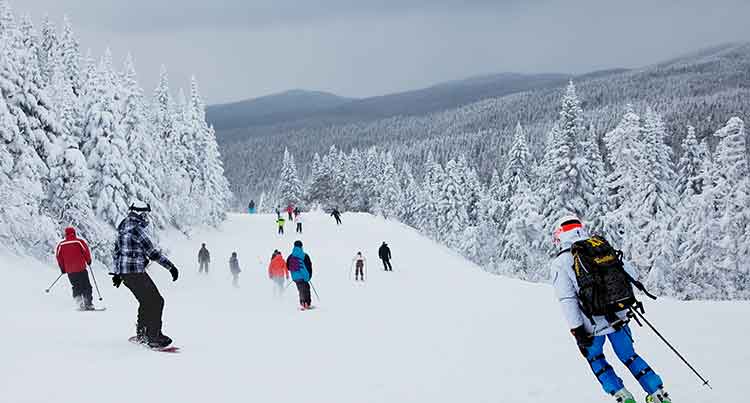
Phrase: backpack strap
[563,251]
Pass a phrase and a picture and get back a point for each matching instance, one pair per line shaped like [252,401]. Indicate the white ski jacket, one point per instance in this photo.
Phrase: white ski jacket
[566,288]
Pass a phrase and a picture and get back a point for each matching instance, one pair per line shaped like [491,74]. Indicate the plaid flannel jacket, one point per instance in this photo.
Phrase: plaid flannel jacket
[133,248]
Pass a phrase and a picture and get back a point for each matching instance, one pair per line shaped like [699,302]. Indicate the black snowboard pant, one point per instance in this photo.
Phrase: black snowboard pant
[151,303]
[338,219]
[387,264]
[303,287]
[81,286]
[299,227]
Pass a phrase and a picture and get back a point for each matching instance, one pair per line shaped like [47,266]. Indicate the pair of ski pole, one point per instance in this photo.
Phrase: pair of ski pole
[311,286]
[91,270]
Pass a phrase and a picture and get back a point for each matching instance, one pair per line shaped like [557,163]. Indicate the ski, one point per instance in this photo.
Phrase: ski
[92,310]
[311,307]
[167,349]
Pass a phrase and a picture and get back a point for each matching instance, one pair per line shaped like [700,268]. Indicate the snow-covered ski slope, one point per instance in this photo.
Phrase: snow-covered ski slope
[436,329]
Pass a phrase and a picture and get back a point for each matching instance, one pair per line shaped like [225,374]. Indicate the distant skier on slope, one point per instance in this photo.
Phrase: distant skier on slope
[298,221]
[251,207]
[234,268]
[297,212]
[132,253]
[278,212]
[591,331]
[290,211]
[336,214]
[300,267]
[385,255]
[73,256]
[204,258]
[277,272]
[359,267]
[280,222]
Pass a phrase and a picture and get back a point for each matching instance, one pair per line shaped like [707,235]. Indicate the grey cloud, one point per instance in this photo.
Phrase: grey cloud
[241,49]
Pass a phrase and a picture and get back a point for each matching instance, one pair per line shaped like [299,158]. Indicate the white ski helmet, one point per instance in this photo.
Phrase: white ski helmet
[567,227]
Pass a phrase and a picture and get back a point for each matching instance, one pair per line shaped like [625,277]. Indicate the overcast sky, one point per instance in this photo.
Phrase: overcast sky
[247,48]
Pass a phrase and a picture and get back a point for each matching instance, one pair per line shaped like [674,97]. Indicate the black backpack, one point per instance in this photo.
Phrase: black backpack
[605,288]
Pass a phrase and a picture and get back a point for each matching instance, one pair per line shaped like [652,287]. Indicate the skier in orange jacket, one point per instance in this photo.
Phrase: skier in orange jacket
[278,272]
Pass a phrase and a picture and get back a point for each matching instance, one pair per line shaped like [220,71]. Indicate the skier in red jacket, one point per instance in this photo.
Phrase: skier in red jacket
[73,256]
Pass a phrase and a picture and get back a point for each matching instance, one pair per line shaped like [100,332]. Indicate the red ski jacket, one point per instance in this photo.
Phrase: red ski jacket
[73,253]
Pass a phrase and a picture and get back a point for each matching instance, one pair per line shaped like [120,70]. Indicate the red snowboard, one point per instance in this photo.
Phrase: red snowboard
[168,349]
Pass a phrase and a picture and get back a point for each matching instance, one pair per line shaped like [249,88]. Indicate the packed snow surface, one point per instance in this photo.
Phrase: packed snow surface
[436,329]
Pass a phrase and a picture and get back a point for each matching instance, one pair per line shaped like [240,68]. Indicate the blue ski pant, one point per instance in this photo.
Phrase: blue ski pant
[622,343]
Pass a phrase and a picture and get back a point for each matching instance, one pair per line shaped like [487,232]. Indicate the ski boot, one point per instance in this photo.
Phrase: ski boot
[623,396]
[660,396]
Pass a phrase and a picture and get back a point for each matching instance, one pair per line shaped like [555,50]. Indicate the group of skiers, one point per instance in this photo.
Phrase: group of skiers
[294,214]
[592,282]
[204,259]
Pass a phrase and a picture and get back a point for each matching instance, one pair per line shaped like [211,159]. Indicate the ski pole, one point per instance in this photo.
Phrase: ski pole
[643,318]
[91,270]
[315,291]
[53,283]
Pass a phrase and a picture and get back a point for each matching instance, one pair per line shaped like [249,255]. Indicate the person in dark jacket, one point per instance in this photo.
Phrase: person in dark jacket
[251,207]
[337,215]
[234,268]
[73,257]
[204,258]
[132,254]
[385,255]
[300,268]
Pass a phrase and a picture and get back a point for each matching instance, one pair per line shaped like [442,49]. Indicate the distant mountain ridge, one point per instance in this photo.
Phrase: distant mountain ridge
[271,109]
[299,108]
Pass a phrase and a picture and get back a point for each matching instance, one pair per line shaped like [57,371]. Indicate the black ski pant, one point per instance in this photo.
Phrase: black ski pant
[387,264]
[359,272]
[151,303]
[281,230]
[81,286]
[203,267]
[303,287]
[299,227]
[338,219]
[290,216]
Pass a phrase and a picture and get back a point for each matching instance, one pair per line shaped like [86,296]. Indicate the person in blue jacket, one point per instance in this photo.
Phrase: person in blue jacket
[300,268]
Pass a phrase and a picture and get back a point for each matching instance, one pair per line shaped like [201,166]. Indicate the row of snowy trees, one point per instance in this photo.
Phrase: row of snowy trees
[79,141]
[684,222]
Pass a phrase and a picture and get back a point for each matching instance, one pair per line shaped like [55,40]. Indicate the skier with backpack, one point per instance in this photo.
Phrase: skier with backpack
[595,288]
[251,207]
[73,257]
[132,254]
[300,268]
[277,272]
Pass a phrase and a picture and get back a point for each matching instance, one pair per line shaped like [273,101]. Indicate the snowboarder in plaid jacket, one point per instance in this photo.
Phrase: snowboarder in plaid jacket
[132,254]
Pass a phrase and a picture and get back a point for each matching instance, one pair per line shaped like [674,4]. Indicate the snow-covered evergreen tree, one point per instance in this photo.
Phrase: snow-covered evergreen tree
[106,150]
[289,189]
[688,168]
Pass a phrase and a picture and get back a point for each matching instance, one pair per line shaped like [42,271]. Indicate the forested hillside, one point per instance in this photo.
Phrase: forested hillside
[702,90]
[79,142]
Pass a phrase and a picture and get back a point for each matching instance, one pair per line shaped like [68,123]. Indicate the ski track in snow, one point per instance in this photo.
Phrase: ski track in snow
[437,329]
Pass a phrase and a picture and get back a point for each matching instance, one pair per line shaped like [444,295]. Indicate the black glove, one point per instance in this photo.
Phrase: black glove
[583,338]
[174,272]
[116,280]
